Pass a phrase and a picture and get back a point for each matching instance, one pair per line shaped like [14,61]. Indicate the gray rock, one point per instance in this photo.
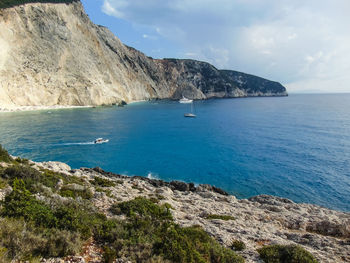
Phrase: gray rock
[270,200]
[180,186]
[328,228]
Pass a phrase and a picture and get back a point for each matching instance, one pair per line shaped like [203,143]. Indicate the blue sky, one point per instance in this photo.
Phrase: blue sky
[305,45]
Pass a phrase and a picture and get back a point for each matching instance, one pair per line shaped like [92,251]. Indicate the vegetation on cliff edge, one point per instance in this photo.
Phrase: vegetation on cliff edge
[286,254]
[11,3]
[4,155]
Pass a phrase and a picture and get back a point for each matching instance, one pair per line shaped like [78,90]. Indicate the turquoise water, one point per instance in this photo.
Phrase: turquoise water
[296,147]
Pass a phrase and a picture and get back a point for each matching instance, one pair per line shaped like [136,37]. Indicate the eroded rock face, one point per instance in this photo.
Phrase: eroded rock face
[52,54]
[258,221]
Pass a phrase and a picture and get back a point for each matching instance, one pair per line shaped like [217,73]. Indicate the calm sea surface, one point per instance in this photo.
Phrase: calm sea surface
[296,147]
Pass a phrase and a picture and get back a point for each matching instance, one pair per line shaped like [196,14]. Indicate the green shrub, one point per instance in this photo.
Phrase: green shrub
[67,179]
[192,244]
[109,255]
[286,254]
[69,216]
[3,184]
[109,231]
[24,241]
[3,252]
[151,224]
[98,181]
[22,161]
[20,203]
[61,243]
[85,194]
[142,207]
[221,217]
[4,155]
[75,217]
[30,176]
[237,245]
[157,198]
[19,240]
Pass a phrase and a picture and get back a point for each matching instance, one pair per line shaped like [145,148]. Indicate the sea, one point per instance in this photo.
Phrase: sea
[296,147]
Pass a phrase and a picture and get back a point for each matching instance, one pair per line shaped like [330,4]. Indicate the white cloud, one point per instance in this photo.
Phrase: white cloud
[303,44]
[112,9]
[151,37]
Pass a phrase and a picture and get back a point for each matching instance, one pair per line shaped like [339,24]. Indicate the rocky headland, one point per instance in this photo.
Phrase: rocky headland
[52,54]
[255,222]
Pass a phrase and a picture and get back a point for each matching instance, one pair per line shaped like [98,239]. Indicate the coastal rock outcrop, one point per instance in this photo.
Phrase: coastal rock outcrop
[255,222]
[52,54]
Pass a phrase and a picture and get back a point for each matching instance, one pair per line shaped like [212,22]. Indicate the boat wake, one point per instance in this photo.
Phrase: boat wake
[74,143]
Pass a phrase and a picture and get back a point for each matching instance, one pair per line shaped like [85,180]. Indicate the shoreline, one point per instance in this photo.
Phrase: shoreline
[155,181]
[39,108]
[11,109]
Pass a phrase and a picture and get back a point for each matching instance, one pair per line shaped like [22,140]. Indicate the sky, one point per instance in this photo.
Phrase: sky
[305,45]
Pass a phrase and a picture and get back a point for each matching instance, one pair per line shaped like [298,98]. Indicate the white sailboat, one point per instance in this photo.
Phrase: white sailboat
[191,114]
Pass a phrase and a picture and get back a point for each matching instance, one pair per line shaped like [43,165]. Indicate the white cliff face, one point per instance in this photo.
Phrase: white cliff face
[52,54]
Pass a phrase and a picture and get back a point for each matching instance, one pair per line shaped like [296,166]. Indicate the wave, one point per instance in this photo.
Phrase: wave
[151,175]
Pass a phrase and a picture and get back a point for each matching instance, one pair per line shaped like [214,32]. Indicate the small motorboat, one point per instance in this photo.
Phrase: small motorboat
[100,140]
[185,100]
[190,115]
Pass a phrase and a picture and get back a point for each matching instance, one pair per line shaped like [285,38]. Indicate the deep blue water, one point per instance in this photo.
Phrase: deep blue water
[296,147]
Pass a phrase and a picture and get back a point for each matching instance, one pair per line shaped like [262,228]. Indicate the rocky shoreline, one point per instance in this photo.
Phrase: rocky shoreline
[38,108]
[257,221]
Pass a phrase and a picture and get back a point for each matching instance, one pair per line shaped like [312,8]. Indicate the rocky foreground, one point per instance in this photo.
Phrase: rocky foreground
[256,221]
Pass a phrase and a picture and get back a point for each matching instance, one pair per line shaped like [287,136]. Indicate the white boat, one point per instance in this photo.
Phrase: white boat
[185,100]
[190,114]
[100,140]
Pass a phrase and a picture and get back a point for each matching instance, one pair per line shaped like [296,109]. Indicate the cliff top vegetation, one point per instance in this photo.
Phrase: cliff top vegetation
[12,3]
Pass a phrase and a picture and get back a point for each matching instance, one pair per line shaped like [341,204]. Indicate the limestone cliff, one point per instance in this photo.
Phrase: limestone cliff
[197,79]
[52,54]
